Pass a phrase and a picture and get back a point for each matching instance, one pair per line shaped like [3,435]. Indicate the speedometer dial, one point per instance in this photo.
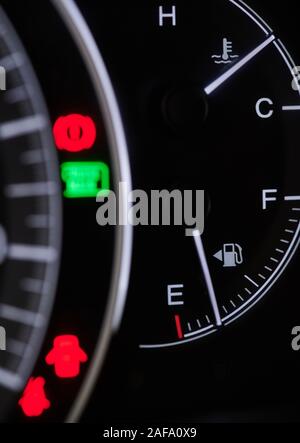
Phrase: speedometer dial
[30,231]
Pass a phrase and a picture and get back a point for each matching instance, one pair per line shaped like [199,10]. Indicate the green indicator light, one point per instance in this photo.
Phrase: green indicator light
[85,179]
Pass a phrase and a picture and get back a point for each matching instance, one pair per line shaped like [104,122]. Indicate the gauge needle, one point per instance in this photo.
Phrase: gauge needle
[235,68]
[207,277]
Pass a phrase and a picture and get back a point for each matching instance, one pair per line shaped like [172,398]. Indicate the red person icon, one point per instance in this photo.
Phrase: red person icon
[34,401]
[66,356]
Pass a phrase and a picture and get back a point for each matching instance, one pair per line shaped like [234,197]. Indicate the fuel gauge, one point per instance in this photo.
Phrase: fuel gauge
[224,121]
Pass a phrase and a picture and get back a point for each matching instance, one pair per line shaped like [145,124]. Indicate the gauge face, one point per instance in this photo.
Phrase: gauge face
[30,216]
[244,156]
[211,105]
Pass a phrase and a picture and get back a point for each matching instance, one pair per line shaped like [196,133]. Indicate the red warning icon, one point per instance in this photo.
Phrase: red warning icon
[74,133]
[34,401]
[66,356]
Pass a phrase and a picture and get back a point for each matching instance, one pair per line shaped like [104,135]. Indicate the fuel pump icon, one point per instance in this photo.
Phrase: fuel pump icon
[231,255]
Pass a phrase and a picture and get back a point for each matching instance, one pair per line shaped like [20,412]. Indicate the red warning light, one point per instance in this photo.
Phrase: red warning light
[74,133]
[34,401]
[66,356]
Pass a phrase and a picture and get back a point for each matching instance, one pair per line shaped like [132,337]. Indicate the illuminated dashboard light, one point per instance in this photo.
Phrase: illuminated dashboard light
[74,133]
[34,401]
[85,179]
[66,356]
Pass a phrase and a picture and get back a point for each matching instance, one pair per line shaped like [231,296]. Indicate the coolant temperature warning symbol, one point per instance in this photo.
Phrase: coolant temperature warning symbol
[227,55]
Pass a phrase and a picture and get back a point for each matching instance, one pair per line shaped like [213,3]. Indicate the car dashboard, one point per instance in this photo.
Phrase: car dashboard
[149,232]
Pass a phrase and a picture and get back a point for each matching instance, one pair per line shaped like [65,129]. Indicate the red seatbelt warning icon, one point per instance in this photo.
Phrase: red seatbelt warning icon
[34,401]
[66,356]
[74,133]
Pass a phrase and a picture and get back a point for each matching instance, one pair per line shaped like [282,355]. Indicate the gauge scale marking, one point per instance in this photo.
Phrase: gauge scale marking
[31,215]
